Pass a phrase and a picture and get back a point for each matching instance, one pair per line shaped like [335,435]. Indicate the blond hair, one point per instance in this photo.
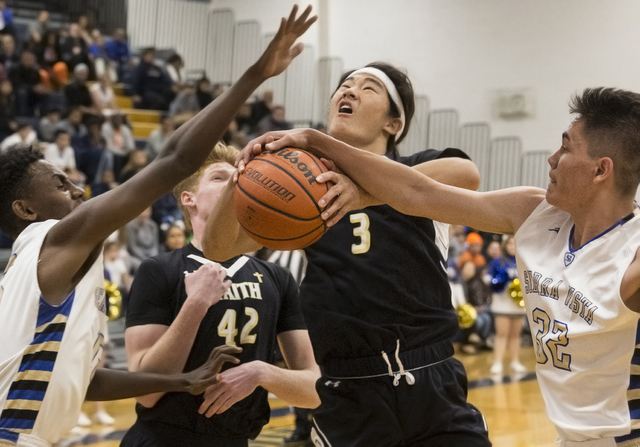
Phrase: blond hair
[220,153]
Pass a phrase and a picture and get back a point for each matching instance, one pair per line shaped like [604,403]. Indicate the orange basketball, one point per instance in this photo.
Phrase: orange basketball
[276,199]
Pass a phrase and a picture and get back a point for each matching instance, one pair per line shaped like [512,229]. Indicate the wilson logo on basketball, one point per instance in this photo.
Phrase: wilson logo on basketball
[270,185]
[292,157]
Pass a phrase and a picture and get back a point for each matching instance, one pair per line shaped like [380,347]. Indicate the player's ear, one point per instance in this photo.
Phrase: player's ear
[24,212]
[187,198]
[604,170]
[393,126]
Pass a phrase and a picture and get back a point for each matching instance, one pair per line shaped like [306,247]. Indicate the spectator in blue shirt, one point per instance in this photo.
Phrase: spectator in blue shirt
[6,20]
[117,49]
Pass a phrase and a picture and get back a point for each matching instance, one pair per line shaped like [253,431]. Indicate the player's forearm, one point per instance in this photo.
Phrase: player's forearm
[191,143]
[297,388]
[223,237]
[110,384]
[169,354]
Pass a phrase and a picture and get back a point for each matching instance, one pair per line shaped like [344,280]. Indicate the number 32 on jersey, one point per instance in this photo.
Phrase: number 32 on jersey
[551,337]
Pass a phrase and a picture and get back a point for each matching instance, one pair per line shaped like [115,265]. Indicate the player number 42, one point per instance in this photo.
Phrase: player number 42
[550,338]
[227,328]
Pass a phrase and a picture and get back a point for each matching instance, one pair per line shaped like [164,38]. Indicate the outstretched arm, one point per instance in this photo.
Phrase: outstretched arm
[70,246]
[108,384]
[407,190]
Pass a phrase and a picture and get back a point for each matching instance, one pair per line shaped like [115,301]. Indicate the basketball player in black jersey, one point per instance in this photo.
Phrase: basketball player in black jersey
[376,297]
[174,321]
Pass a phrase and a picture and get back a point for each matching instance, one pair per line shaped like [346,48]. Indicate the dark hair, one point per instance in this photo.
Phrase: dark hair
[175,57]
[60,132]
[405,90]
[611,120]
[14,183]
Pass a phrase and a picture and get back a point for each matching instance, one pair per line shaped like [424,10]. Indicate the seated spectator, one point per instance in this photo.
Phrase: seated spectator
[166,212]
[50,60]
[176,71]
[261,108]
[48,124]
[274,121]
[27,84]
[136,163]
[234,137]
[73,123]
[159,137]
[60,152]
[84,23]
[77,92]
[203,92]
[119,141]
[98,54]
[41,25]
[143,237]
[102,95]
[151,85]
[117,49]
[473,253]
[74,49]
[8,124]
[116,266]
[9,56]
[6,20]
[244,120]
[186,102]
[174,238]
[106,182]
[24,134]
[92,156]
[217,90]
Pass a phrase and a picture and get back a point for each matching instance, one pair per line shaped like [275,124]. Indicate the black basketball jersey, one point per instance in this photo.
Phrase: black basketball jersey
[376,277]
[261,303]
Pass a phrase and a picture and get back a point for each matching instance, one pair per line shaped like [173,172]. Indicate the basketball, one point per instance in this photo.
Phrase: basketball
[276,199]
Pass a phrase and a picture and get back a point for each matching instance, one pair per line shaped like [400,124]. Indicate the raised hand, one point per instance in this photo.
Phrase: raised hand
[200,379]
[298,138]
[281,50]
[206,285]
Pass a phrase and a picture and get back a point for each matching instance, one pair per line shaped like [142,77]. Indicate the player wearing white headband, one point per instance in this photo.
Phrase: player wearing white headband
[375,296]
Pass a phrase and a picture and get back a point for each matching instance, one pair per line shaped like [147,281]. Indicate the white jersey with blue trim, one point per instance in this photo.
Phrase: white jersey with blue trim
[48,354]
[584,334]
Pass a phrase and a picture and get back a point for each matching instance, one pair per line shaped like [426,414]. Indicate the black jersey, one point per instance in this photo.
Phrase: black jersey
[376,277]
[261,303]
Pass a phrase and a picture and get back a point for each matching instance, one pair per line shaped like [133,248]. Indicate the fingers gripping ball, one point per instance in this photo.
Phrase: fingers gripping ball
[276,199]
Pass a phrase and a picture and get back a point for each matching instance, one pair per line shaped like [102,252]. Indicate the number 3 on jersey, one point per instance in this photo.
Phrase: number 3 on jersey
[361,231]
[227,327]
[551,337]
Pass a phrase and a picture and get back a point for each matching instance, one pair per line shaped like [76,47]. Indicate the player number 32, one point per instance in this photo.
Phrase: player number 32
[227,328]
[551,336]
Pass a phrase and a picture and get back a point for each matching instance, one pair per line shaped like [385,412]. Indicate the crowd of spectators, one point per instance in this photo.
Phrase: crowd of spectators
[481,269]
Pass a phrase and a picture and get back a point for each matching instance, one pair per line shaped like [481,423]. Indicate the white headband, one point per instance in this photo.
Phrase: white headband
[391,89]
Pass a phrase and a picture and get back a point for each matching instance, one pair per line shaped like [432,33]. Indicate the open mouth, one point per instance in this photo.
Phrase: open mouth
[345,108]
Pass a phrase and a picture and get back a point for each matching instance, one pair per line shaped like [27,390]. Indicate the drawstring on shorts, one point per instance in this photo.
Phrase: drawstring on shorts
[397,376]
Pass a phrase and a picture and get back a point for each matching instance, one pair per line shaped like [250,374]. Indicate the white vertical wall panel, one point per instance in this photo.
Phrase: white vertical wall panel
[277,84]
[219,52]
[300,77]
[443,129]
[246,47]
[193,36]
[328,72]
[141,22]
[169,22]
[475,141]
[506,155]
[535,169]
[416,139]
